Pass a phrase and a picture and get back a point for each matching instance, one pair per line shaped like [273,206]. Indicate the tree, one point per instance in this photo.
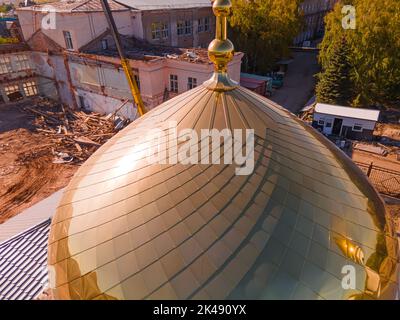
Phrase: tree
[264,30]
[5,7]
[336,85]
[374,49]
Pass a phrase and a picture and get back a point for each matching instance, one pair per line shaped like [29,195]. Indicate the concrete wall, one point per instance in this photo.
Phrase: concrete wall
[105,104]
[53,67]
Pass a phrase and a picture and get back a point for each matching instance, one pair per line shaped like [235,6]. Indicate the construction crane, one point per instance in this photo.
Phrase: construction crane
[124,61]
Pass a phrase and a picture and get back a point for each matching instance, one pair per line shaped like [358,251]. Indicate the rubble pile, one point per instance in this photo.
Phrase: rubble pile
[75,134]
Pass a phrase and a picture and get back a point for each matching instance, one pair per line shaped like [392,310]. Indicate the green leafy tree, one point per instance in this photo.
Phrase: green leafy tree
[5,7]
[374,49]
[264,30]
[336,85]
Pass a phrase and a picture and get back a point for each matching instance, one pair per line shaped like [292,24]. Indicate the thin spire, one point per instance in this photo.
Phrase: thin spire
[221,49]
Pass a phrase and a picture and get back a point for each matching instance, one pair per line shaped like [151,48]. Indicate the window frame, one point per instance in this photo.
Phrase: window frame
[22,62]
[173,83]
[8,91]
[200,25]
[68,40]
[188,26]
[30,88]
[192,83]
[184,27]
[180,27]
[358,125]
[5,66]
[207,25]
[159,30]
[104,44]
[137,78]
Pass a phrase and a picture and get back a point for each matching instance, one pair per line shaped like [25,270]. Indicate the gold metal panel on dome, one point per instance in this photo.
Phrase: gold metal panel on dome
[127,229]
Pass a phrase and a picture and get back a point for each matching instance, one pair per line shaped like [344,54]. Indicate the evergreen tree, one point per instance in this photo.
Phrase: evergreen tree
[375,49]
[335,85]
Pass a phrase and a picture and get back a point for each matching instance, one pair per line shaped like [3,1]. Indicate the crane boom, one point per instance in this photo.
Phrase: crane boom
[124,61]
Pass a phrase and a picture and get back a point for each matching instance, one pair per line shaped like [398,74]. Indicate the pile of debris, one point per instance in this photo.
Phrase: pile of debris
[75,134]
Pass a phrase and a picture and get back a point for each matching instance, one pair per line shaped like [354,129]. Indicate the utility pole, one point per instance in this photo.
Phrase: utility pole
[124,61]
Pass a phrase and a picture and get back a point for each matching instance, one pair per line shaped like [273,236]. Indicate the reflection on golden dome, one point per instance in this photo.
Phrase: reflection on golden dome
[130,229]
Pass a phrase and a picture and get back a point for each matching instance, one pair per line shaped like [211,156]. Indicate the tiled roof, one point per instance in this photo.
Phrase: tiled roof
[23,264]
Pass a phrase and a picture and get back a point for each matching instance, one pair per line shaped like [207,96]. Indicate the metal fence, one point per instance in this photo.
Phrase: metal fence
[386,181]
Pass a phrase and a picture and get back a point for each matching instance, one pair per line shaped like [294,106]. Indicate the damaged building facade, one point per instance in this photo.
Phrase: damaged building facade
[19,78]
[72,46]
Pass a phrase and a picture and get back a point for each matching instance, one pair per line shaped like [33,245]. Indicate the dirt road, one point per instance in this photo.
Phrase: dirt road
[299,81]
[27,174]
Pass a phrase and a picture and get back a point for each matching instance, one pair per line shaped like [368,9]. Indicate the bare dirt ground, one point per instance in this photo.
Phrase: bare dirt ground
[387,162]
[388,132]
[27,174]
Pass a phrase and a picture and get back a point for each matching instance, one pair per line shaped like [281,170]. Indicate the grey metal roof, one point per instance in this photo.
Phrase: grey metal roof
[165,4]
[23,263]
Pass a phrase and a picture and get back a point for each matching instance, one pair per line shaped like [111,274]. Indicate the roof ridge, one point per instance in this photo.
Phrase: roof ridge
[80,4]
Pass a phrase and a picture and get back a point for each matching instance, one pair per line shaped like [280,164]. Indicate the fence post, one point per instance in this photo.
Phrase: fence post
[369,169]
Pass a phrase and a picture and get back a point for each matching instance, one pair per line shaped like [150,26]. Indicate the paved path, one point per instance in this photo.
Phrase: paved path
[299,81]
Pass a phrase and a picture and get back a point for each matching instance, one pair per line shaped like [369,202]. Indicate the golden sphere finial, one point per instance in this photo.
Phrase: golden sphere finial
[221,8]
[221,48]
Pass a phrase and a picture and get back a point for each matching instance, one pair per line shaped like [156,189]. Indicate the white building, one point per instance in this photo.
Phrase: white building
[352,123]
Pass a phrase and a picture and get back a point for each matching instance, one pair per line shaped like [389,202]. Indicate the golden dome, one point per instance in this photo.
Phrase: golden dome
[130,229]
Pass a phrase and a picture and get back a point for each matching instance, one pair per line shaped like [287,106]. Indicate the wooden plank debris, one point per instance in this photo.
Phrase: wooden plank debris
[76,133]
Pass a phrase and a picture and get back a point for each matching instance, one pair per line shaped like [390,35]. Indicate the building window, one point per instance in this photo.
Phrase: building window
[22,62]
[159,31]
[12,92]
[164,31]
[5,65]
[200,27]
[188,27]
[184,27]
[137,79]
[173,82]
[207,24]
[30,88]
[321,122]
[82,102]
[357,127]
[204,24]
[192,83]
[68,40]
[104,44]
[180,28]
[328,124]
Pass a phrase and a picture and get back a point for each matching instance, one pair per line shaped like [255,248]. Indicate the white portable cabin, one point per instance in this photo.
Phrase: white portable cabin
[352,123]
